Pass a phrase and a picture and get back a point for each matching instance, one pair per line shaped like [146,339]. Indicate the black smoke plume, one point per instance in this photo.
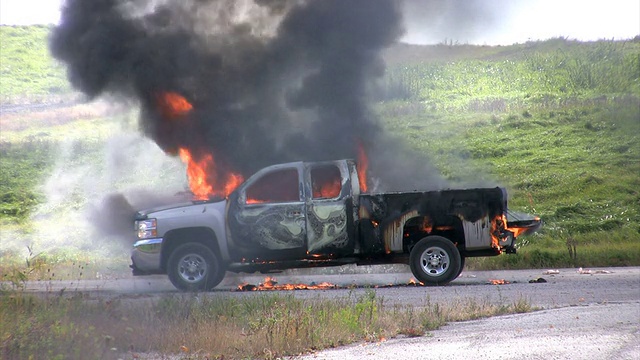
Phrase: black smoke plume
[269,81]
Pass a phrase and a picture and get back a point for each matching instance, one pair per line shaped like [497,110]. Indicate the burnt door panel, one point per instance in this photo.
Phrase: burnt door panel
[272,226]
[329,218]
[267,218]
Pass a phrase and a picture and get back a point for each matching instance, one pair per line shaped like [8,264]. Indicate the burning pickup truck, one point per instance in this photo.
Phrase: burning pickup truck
[302,214]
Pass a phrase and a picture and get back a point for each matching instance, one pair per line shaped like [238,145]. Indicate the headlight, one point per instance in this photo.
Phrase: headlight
[146,228]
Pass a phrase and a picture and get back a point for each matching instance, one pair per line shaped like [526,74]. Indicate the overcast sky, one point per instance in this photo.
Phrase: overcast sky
[481,22]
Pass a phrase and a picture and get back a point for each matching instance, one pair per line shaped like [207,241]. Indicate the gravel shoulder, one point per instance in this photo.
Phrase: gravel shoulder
[596,331]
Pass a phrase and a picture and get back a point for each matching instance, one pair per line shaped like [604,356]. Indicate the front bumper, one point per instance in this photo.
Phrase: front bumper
[145,257]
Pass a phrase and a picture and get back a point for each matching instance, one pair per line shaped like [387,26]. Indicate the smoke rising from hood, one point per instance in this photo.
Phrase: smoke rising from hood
[269,81]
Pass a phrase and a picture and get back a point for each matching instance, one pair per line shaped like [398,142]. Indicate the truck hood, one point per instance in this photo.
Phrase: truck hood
[142,214]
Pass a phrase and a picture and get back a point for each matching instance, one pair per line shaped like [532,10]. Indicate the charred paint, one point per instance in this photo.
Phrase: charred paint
[444,209]
[327,226]
[477,233]
[393,232]
[272,227]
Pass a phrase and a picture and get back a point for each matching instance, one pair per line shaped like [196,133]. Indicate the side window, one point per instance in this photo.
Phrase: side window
[275,187]
[326,182]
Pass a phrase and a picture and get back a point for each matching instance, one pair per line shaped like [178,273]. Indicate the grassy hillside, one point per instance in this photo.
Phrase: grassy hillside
[540,74]
[27,71]
[556,122]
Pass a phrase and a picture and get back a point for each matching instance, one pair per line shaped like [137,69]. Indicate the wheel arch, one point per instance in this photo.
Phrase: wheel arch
[174,238]
[451,229]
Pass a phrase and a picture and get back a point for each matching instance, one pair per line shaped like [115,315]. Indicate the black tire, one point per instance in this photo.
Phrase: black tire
[462,258]
[194,267]
[434,260]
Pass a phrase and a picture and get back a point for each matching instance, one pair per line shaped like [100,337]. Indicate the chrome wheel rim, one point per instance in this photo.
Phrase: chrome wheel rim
[434,261]
[192,268]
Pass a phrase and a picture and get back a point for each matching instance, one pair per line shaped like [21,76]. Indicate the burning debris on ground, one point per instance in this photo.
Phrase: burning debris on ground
[271,284]
[498,282]
[234,86]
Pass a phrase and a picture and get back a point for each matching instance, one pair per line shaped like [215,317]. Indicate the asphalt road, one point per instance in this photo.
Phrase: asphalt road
[588,314]
[566,288]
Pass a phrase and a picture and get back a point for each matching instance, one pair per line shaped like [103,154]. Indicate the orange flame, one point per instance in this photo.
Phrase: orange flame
[500,223]
[271,284]
[363,165]
[173,105]
[498,282]
[197,172]
[428,227]
[328,190]
[517,230]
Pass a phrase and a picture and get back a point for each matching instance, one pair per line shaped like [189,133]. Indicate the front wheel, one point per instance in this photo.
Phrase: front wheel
[434,260]
[194,267]
[462,259]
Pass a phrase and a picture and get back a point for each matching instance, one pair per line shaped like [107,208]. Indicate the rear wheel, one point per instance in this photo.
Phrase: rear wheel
[194,267]
[434,260]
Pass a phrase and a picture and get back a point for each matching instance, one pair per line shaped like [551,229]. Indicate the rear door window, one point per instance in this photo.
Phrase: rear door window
[326,182]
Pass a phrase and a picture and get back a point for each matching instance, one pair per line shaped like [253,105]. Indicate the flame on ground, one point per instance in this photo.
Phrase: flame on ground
[271,284]
[173,105]
[498,282]
[197,172]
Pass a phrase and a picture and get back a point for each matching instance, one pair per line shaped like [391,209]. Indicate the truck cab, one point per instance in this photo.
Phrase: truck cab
[294,211]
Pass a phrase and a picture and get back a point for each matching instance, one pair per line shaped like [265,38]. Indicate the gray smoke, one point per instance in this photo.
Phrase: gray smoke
[270,81]
[457,21]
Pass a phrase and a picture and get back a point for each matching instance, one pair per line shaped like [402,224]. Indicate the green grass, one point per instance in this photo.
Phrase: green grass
[24,166]
[27,71]
[28,157]
[593,249]
[265,326]
[506,78]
